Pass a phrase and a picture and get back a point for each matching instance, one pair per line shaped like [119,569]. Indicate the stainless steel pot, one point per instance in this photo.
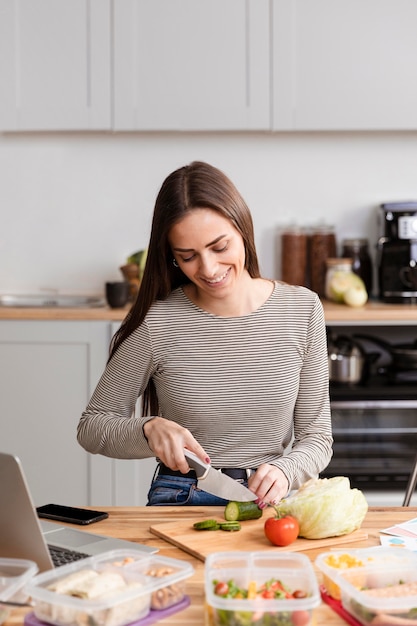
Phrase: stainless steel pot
[348,362]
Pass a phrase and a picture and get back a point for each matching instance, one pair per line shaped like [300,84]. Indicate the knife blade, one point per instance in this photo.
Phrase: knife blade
[215,482]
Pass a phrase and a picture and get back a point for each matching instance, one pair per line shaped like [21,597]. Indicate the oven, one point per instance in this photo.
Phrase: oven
[375,434]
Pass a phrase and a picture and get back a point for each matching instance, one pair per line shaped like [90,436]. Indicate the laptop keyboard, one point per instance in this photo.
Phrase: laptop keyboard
[62,556]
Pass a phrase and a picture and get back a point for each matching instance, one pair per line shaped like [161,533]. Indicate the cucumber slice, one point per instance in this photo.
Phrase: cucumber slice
[207,524]
[230,526]
[240,511]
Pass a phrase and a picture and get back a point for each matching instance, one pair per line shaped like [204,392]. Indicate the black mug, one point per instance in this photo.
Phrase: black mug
[117,294]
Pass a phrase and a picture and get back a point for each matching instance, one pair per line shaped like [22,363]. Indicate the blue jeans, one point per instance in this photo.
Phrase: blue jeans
[180,491]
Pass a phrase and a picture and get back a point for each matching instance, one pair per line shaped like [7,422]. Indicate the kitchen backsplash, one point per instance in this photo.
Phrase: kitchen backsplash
[75,205]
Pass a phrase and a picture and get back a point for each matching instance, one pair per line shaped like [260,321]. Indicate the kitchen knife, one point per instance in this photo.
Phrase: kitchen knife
[215,482]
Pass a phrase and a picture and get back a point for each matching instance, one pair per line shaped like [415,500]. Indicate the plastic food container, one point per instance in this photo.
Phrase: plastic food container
[383,590]
[14,574]
[256,573]
[113,589]
[335,561]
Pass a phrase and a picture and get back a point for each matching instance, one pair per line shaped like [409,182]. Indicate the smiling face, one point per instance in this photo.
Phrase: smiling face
[210,252]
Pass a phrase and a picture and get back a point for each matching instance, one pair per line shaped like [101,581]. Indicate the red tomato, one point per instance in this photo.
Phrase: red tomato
[221,589]
[300,618]
[299,593]
[281,531]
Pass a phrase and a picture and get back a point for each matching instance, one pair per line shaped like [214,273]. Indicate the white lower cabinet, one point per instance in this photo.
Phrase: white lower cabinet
[120,482]
[49,370]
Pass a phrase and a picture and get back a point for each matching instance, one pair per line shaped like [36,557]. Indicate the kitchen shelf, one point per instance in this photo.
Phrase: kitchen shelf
[374,313]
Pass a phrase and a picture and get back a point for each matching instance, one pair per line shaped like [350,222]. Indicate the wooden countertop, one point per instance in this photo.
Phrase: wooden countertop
[133,523]
[60,313]
[373,312]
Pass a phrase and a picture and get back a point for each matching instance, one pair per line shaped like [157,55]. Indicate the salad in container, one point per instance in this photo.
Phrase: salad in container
[260,589]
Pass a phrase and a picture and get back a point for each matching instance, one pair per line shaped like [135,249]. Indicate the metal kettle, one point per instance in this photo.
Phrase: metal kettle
[347,361]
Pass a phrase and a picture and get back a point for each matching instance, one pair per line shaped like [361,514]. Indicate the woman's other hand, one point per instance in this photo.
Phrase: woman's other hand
[168,439]
[269,483]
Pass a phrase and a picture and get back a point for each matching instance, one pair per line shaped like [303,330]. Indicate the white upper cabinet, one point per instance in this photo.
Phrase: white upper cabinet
[208,65]
[55,62]
[344,64]
[191,65]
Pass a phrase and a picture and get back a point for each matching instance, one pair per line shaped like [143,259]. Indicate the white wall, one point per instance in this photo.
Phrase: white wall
[74,206]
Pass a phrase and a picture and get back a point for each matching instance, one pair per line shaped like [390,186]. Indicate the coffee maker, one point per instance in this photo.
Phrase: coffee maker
[397,252]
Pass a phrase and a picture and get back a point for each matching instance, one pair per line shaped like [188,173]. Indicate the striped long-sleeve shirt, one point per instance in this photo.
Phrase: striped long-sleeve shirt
[251,389]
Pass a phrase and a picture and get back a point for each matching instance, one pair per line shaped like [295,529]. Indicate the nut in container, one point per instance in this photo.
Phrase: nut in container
[113,589]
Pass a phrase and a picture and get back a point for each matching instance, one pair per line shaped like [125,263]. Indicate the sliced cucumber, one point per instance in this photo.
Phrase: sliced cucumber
[240,511]
[207,524]
[230,526]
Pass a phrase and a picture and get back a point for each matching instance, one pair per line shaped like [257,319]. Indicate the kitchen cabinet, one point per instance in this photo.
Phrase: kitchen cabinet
[129,479]
[55,65]
[344,65]
[208,65]
[134,65]
[191,65]
[49,369]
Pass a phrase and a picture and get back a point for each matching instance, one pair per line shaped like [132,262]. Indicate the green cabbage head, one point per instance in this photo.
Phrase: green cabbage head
[325,507]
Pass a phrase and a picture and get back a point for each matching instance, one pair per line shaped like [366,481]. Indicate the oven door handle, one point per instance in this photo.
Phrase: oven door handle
[373,404]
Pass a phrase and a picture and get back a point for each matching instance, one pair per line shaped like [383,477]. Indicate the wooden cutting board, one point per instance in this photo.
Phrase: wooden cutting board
[201,543]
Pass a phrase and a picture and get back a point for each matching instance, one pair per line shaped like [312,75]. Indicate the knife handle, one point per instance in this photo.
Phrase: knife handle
[200,468]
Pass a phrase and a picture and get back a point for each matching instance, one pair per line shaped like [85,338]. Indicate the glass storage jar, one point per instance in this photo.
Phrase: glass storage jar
[322,246]
[294,255]
[357,250]
[336,268]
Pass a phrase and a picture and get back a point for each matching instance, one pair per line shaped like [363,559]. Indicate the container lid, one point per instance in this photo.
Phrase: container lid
[322,228]
[355,242]
[14,574]
[293,229]
[343,262]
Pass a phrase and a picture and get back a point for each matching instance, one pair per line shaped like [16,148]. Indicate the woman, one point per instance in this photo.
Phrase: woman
[228,364]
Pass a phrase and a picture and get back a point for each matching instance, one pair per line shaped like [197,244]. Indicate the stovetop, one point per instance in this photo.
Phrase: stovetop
[387,386]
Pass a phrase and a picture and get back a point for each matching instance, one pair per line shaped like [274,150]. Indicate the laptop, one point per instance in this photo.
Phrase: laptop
[24,536]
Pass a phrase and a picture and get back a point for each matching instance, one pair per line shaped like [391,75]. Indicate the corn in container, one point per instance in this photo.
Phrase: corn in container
[380,589]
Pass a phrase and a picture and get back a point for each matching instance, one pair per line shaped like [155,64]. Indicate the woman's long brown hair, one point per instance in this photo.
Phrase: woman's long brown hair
[198,185]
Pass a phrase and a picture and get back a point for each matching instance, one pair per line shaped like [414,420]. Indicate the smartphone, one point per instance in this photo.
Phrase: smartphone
[70,514]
